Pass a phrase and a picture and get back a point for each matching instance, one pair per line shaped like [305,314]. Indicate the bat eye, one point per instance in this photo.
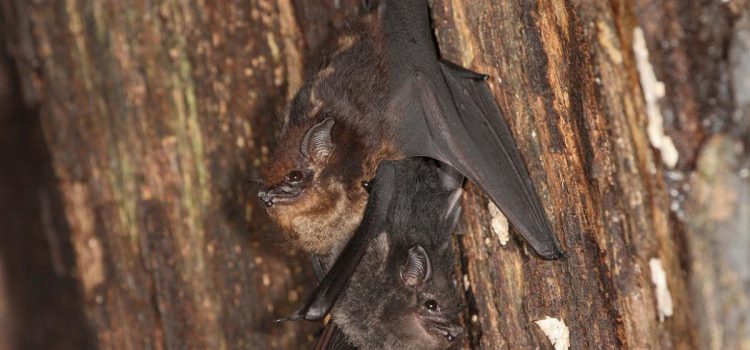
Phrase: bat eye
[431,305]
[294,176]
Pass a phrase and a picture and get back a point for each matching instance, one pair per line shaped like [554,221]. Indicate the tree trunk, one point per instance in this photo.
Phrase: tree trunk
[133,223]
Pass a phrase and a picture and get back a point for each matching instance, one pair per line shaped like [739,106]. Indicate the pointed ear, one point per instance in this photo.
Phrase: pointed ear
[316,145]
[417,268]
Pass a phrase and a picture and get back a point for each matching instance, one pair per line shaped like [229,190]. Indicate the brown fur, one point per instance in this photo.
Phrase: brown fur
[321,218]
[350,88]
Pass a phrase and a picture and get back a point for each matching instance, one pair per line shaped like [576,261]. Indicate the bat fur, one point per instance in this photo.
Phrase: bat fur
[349,92]
[403,293]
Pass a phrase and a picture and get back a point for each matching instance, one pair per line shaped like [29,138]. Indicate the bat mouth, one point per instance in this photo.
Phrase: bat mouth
[280,196]
[441,327]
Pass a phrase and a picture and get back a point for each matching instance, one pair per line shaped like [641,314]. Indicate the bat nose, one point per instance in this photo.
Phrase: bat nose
[448,330]
[453,333]
[266,197]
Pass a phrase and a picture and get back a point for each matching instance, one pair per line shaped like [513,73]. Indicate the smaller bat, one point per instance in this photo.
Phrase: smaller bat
[398,265]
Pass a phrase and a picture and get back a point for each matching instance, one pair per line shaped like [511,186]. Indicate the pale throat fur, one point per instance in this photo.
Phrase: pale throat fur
[322,218]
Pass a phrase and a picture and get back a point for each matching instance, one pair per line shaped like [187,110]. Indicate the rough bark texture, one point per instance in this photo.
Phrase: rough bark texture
[43,306]
[130,133]
[569,88]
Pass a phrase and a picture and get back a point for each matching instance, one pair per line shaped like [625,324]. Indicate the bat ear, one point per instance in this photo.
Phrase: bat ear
[316,145]
[417,269]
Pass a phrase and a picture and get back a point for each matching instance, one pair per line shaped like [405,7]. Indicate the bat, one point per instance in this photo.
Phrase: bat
[332,339]
[398,266]
[384,93]
[315,187]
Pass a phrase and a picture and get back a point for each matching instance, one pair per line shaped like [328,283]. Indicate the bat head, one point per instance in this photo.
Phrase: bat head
[421,263]
[313,186]
[426,306]
[297,166]
[409,303]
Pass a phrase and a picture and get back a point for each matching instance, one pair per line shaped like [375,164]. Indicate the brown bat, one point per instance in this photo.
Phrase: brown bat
[383,93]
[316,186]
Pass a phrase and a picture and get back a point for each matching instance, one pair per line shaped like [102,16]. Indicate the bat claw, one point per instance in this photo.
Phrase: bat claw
[299,314]
[561,255]
[556,254]
[292,317]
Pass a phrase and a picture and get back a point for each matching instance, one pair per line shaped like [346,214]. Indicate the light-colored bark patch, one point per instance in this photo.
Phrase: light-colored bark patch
[498,224]
[664,304]
[653,91]
[557,332]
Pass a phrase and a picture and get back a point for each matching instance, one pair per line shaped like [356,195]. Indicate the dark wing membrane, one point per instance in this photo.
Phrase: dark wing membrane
[332,339]
[373,223]
[448,113]
[317,265]
[462,127]
[493,161]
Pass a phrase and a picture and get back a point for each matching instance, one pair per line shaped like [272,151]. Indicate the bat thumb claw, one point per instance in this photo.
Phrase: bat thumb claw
[295,316]
[292,317]
[561,255]
[556,254]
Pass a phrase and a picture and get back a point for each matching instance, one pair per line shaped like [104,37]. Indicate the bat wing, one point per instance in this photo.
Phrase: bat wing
[320,272]
[448,113]
[332,339]
[373,223]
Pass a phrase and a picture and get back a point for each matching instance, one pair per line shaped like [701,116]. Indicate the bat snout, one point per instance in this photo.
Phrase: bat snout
[451,332]
[266,197]
[440,326]
[283,195]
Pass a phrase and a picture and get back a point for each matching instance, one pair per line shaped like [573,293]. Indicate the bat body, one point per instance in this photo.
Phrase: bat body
[331,145]
[402,293]
[384,94]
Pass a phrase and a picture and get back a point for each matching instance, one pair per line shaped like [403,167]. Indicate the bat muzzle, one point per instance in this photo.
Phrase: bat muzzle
[442,327]
[281,195]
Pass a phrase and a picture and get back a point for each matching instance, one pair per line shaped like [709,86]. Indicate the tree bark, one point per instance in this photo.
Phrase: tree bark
[570,90]
[151,117]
